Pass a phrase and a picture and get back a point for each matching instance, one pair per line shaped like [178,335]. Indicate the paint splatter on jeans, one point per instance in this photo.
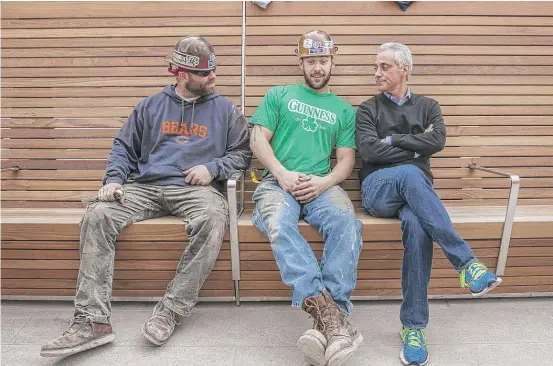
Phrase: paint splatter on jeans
[276,215]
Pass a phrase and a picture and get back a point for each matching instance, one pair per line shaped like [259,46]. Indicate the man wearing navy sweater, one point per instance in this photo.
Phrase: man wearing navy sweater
[397,132]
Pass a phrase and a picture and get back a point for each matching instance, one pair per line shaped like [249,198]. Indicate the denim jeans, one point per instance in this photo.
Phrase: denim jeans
[276,215]
[405,191]
[202,208]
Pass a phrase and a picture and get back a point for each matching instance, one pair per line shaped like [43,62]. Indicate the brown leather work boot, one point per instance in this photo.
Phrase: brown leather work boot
[161,325]
[79,337]
[313,343]
[342,338]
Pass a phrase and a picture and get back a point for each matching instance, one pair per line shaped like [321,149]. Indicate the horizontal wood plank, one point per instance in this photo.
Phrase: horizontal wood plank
[488,8]
[99,9]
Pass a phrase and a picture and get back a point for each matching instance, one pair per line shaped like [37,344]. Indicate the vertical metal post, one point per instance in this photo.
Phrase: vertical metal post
[243,64]
[234,213]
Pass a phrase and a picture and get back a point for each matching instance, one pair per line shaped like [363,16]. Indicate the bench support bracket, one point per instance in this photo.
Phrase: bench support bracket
[509,215]
[236,207]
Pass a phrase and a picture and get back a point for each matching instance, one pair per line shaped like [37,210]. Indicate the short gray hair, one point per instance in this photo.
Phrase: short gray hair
[402,55]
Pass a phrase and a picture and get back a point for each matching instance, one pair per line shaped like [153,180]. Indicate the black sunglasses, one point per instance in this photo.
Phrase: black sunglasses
[202,73]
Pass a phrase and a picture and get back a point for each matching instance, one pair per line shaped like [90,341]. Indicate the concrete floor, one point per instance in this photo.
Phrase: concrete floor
[461,332]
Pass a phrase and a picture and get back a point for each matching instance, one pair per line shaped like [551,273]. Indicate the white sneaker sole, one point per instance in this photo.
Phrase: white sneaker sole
[489,288]
[313,345]
[83,347]
[340,357]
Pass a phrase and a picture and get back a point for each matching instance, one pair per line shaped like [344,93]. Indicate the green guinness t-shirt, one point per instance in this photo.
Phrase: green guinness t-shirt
[306,126]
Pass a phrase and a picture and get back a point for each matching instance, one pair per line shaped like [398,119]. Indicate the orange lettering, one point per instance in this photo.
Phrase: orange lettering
[165,127]
[174,127]
[183,130]
[203,131]
[194,129]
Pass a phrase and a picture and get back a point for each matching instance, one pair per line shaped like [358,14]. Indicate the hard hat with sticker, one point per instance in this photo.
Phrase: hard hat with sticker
[193,53]
[316,43]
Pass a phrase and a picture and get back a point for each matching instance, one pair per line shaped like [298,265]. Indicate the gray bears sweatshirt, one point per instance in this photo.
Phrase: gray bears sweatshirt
[166,135]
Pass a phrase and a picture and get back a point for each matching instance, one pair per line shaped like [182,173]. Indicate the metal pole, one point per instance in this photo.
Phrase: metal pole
[243,64]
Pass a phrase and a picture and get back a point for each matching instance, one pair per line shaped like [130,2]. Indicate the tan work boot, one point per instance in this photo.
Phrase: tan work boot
[342,342]
[79,337]
[313,343]
[161,325]
[342,338]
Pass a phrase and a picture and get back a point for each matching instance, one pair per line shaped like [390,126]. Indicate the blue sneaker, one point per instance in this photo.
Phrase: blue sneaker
[478,278]
[414,350]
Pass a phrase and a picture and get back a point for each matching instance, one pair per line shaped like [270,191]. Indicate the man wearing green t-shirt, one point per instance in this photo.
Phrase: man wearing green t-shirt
[295,129]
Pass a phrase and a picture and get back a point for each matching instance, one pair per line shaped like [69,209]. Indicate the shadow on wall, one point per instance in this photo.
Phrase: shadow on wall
[262,4]
[403,5]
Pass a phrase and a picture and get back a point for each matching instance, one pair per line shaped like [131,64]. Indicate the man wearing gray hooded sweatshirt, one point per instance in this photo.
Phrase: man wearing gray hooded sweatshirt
[169,158]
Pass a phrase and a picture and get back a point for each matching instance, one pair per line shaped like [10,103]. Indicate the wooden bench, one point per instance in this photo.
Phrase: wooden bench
[40,255]
[71,76]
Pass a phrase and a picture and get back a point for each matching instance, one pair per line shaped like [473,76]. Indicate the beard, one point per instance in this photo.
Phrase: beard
[200,88]
[319,85]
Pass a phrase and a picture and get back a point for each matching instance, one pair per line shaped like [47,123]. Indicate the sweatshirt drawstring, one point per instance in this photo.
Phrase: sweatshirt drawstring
[182,112]
[182,123]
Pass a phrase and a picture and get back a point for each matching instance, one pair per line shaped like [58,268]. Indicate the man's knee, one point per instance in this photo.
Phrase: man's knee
[411,174]
[99,214]
[341,202]
[216,213]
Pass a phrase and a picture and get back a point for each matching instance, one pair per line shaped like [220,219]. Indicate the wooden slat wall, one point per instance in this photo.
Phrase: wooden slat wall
[71,77]
[73,71]
[488,64]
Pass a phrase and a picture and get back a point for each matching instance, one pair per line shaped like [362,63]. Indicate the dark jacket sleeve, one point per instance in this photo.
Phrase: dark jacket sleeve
[370,147]
[238,154]
[125,151]
[426,143]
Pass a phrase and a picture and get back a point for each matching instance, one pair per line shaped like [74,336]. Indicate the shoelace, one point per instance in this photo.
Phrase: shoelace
[316,312]
[171,317]
[330,325]
[415,337]
[476,270]
[175,318]
[312,307]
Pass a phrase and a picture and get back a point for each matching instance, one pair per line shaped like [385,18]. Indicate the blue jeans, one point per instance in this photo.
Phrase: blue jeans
[405,191]
[276,215]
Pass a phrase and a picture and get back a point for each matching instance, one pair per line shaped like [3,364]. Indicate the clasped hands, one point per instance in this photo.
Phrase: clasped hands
[304,188]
